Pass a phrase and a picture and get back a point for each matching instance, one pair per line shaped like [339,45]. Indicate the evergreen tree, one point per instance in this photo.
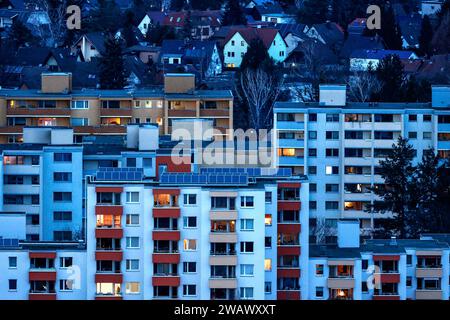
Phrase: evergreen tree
[416,90]
[107,17]
[397,196]
[426,35]
[441,40]
[187,27]
[313,12]
[345,11]
[127,31]
[233,14]
[157,33]
[256,56]
[390,30]
[177,5]
[111,65]
[390,73]
[20,34]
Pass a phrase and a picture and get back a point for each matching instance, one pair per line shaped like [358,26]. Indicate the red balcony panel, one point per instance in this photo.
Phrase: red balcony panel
[385,298]
[109,210]
[166,281]
[288,250]
[166,212]
[166,235]
[289,185]
[109,189]
[42,296]
[390,278]
[42,275]
[109,255]
[288,273]
[288,295]
[44,255]
[174,192]
[386,257]
[184,166]
[173,258]
[109,298]
[289,205]
[109,277]
[113,233]
[289,227]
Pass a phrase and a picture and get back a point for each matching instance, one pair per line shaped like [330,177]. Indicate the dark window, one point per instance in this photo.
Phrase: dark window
[62,196]
[62,216]
[12,284]
[131,162]
[62,157]
[62,176]
[313,117]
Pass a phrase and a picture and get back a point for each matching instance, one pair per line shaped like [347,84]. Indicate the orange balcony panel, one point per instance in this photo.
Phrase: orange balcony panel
[174,192]
[288,250]
[289,205]
[109,255]
[289,227]
[386,257]
[289,185]
[288,273]
[166,235]
[184,166]
[44,255]
[288,295]
[214,113]
[113,112]
[106,129]
[107,210]
[166,281]
[173,258]
[390,278]
[109,298]
[56,112]
[42,275]
[385,298]
[42,296]
[182,113]
[109,233]
[166,212]
[109,278]
[109,189]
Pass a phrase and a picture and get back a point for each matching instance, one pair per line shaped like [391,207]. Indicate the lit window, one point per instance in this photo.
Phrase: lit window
[268,219]
[268,264]
[319,269]
[286,152]
[190,244]
[132,288]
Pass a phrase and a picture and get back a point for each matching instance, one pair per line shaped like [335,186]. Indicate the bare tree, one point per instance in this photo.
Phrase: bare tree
[362,84]
[260,89]
[322,230]
[53,33]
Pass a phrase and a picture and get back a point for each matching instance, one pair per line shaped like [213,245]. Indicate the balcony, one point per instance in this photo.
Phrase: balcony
[429,272]
[388,277]
[39,112]
[291,143]
[291,272]
[428,294]
[290,125]
[172,257]
[112,233]
[288,250]
[173,235]
[387,126]
[115,112]
[288,294]
[108,297]
[289,205]
[42,296]
[108,277]
[291,228]
[21,169]
[106,209]
[341,283]
[223,237]
[223,283]
[21,189]
[360,125]
[214,112]
[222,260]
[224,215]
[182,113]
[291,161]
[385,297]
[42,274]
[109,255]
[169,280]
[166,212]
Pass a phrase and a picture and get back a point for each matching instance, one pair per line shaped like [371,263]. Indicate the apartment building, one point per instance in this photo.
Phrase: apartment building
[338,145]
[416,269]
[107,112]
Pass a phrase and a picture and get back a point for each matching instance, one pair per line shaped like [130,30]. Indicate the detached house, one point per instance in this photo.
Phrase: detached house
[238,40]
[90,45]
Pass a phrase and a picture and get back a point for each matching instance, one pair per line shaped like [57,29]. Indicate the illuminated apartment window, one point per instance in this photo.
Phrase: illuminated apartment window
[267,264]
[286,152]
[190,244]
[108,221]
[104,288]
[319,269]
[268,219]
[132,288]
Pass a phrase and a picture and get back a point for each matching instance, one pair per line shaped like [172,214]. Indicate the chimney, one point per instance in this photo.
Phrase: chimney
[393,241]
[333,95]
[348,234]
[56,82]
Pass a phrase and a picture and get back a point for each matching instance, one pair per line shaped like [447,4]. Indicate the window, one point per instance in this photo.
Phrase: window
[313,117]
[247,270]
[65,285]
[412,117]
[412,135]
[426,118]
[333,117]
[267,264]
[364,287]
[62,157]
[132,219]
[13,160]
[132,197]
[189,199]
[35,199]
[62,196]
[132,264]
[312,170]
[312,135]
[313,205]
[319,269]
[332,152]
[132,242]
[190,244]
[427,135]
[189,289]
[132,288]
[247,202]
[65,262]
[409,281]
[79,121]
[331,205]
[189,267]
[329,170]
[332,135]
[331,187]
[80,104]
[246,293]
[12,284]
[246,247]
[365,264]
[62,235]
[62,176]
[312,152]
[268,197]
[190,222]
[147,162]
[409,259]
[267,287]
[131,162]
[319,292]
[12,262]
[267,242]
[268,219]
[312,187]
[247,224]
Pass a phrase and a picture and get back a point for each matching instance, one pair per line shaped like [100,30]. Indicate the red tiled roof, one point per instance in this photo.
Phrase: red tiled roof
[265,34]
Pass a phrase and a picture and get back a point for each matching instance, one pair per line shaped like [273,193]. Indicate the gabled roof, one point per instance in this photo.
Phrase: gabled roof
[331,32]
[356,41]
[38,56]
[156,17]
[357,26]
[172,47]
[410,27]
[97,39]
[268,8]
[267,35]
[294,28]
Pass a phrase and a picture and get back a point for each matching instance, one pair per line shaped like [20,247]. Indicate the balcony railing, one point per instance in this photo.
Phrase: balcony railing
[166,274]
[223,253]
[165,251]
